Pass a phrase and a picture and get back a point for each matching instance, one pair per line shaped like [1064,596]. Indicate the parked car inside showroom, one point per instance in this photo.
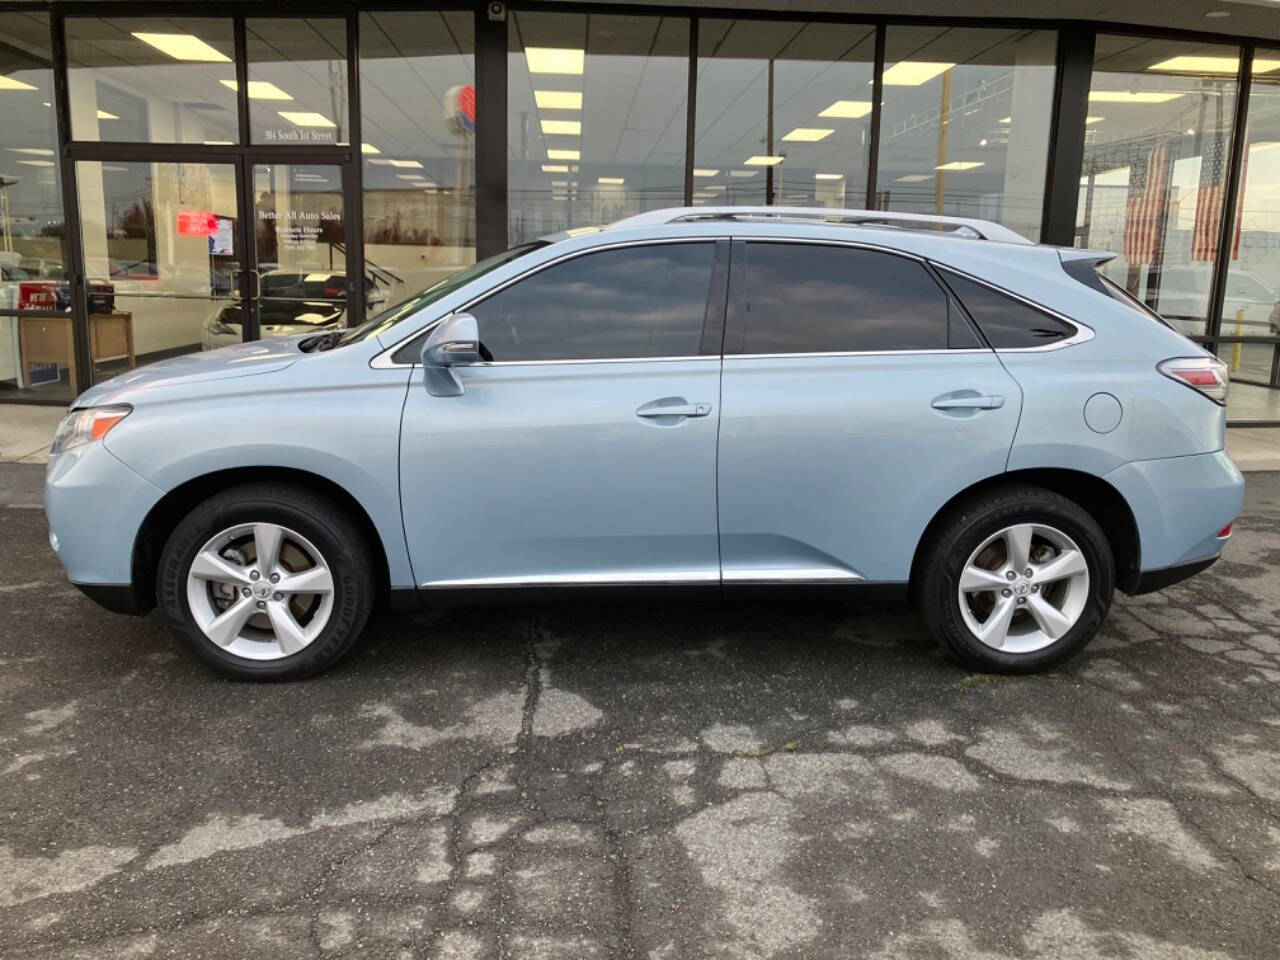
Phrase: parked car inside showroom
[922,409]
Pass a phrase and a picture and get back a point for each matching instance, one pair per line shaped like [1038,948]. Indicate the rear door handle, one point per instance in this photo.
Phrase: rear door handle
[993,402]
[673,407]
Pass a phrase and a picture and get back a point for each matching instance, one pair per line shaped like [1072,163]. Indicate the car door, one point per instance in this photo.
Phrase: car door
[856,400]
[584,451]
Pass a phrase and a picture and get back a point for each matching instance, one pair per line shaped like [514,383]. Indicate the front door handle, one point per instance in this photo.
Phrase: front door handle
[673,407]
[993,402]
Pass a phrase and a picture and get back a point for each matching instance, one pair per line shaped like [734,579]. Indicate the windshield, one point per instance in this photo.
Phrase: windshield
[393,315]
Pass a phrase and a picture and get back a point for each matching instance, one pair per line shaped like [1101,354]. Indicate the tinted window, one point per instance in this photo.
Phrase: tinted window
[804,298]
[628,302]
[1005,322]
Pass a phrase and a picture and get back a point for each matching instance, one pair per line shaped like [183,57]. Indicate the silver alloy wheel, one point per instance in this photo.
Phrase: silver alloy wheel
[1024,588]
[260,591]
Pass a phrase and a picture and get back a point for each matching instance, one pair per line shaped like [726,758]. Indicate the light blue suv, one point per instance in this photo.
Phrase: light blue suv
[726,398]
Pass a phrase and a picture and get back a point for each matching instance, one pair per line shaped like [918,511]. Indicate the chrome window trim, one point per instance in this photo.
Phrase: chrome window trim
[383,360]
[932,351]
[1083,334]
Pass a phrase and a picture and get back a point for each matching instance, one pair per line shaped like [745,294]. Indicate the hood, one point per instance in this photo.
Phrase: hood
[240,360]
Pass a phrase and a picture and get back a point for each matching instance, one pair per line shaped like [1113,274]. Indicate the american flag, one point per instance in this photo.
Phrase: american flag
[1146,206]
[1213,165]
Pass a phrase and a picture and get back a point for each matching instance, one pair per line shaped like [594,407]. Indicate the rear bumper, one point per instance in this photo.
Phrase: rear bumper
[1180,505]
[1150,581]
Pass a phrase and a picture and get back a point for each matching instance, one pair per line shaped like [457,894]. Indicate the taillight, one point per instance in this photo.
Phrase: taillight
[1208,375]
[1225,531]
[334,292]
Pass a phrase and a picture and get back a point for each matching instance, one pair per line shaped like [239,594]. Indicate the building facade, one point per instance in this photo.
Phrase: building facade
[175,177]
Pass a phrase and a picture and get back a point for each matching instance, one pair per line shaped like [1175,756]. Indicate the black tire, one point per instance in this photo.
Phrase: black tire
[332,532]
[963,529]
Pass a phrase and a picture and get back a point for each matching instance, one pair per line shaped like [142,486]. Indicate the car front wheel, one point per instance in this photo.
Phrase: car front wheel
[266,582]
[1016,579]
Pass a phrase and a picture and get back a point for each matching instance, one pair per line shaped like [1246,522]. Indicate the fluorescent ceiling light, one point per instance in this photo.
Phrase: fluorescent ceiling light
[914,178]
[1131,96]
[560,183]
[961,165]
[37,163]
[828,176]
[369,148]
[568,128]
[847,110]
[564,155]
[218,143]
[557,99]
[1089,120]
[555,168]
[700,172]
[1263,145]
[912,73]
[410,176]
[1188,64]
[743,173]
[184,46]
[808,134]
[564,60]
[762,161]
[33,151]
[104,115]
[8,83]
[259,90]
[611,181]
[306,118]
[406,164]
[705,194]
[1005,120]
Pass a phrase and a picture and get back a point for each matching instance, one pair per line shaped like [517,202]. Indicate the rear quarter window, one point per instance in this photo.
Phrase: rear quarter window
[1007,323]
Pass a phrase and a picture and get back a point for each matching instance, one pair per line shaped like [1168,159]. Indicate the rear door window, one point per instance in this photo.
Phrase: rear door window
[814,298]
[1007,323]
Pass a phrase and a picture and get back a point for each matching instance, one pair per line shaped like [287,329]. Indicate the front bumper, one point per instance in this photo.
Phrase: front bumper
[95,506]
[1180,505]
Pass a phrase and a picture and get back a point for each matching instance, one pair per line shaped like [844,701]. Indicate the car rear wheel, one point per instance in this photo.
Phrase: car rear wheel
[1016,579]
[266,582]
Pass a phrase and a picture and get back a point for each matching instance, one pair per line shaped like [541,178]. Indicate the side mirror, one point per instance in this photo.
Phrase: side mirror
[454,341]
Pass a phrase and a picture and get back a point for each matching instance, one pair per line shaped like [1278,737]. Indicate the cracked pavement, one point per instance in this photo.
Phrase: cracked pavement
[657,780]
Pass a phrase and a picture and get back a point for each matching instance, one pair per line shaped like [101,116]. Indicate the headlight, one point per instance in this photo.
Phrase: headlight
[91,423]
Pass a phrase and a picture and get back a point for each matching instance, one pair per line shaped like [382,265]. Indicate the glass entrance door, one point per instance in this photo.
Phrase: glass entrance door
[163,252]
[298,273]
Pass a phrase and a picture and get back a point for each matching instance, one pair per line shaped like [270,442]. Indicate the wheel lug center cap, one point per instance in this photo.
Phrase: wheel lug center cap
[1022,587]
[261,590]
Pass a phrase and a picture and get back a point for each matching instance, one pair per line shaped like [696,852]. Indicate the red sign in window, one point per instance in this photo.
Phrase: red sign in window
[37,296]
[197,223]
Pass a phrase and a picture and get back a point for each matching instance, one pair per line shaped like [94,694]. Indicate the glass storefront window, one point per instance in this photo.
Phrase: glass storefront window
[596,118]
[161,250]
[418,123]
[1157,147]
[965,127]
[151,80]
[783,113]
[298,80]
[1251,301]
[36,354]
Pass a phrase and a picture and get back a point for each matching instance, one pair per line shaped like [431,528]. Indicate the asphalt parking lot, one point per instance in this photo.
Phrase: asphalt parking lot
[654,781]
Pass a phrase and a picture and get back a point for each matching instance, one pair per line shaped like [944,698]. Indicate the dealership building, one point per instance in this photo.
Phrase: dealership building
[178,176]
